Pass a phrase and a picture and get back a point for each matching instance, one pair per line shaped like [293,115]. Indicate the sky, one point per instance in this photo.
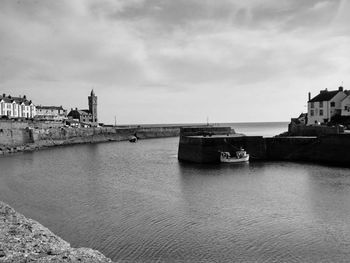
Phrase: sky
[175,61]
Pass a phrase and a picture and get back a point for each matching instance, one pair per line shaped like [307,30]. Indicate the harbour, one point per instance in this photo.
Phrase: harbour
[108,197]
[174,131]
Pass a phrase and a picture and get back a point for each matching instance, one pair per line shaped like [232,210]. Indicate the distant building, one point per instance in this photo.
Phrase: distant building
[86,116]
[16,107]
[55,113]
[83,116]
[93,106]
[325,105]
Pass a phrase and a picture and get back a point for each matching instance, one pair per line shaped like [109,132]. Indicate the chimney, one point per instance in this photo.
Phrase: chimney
[24,97]
[341,88]
[4,95]
[76,108]
[309,96]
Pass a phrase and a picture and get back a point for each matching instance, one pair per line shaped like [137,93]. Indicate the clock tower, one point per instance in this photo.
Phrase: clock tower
[93,107]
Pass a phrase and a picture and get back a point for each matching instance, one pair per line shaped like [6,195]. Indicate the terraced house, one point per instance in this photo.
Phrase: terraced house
[16,107]
[51,113]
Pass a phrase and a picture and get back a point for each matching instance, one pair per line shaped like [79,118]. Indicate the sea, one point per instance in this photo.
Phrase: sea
[135,202]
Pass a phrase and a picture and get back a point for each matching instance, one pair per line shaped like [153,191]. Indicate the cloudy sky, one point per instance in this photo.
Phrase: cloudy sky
[175,61]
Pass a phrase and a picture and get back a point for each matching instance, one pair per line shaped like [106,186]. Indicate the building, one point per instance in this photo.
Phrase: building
[16,107]
[83,116]
[345,105]
[86,116]
[93,106]
[325,105]
[52,113]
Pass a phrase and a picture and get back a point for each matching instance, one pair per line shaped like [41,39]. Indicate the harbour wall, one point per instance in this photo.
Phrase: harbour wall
[295,129]
[19,136]
[327,149]
[207,149]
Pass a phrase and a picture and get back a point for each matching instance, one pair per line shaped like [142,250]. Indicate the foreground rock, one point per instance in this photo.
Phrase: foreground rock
[25,240]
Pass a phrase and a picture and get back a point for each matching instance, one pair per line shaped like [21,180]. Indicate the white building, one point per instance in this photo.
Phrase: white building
[51,113]
[16,107]
[325,105]
[345,106]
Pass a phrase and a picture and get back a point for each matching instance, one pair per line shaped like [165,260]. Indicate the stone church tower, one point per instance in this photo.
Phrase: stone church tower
[93,106]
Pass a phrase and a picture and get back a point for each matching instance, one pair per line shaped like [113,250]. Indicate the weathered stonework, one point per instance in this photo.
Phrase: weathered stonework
[25,240]
[62,136]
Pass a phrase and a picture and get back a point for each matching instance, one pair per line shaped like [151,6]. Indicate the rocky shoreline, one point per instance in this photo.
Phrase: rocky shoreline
[25,240]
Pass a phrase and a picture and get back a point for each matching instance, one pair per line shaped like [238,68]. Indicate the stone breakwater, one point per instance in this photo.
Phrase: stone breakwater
[196,146]
[22,139]
[25,240]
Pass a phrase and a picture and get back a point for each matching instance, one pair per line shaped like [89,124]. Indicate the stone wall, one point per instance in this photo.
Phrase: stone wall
[206,130]
[11,124]
[15,137]
[326,149]
[313,130]
[21,136]
[101,134]
[25,240]
[207,149]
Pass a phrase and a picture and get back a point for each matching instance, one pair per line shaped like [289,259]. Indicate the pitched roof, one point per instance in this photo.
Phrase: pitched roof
[325,95]
[49,107]
[19,100]
[5,99]
[80,112]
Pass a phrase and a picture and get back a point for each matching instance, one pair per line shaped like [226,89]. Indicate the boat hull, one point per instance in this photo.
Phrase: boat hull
[234,159]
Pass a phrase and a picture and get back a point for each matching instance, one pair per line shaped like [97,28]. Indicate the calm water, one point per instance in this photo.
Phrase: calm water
[136,202]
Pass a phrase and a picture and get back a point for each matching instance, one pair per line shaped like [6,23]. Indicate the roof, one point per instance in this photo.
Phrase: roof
[19,100]
[49,107]
[80,112]
[325,95]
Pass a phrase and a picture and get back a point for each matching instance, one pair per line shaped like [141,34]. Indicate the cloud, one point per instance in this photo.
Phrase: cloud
[176,49]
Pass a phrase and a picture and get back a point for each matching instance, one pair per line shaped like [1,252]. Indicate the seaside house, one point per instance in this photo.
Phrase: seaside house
[16,107]
[325,105]
[55,113]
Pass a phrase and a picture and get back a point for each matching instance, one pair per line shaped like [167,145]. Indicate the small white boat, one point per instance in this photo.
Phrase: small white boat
[241,156]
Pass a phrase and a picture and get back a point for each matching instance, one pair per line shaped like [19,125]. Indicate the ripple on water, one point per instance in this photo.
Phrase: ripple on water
[136,202]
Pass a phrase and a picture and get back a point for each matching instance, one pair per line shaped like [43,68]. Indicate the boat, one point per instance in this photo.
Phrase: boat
[241,157]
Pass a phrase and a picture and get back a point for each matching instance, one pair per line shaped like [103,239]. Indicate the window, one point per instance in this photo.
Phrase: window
[321,104]
[312,112]
[312,105]
[332,104]
[321,112]
[346,108]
